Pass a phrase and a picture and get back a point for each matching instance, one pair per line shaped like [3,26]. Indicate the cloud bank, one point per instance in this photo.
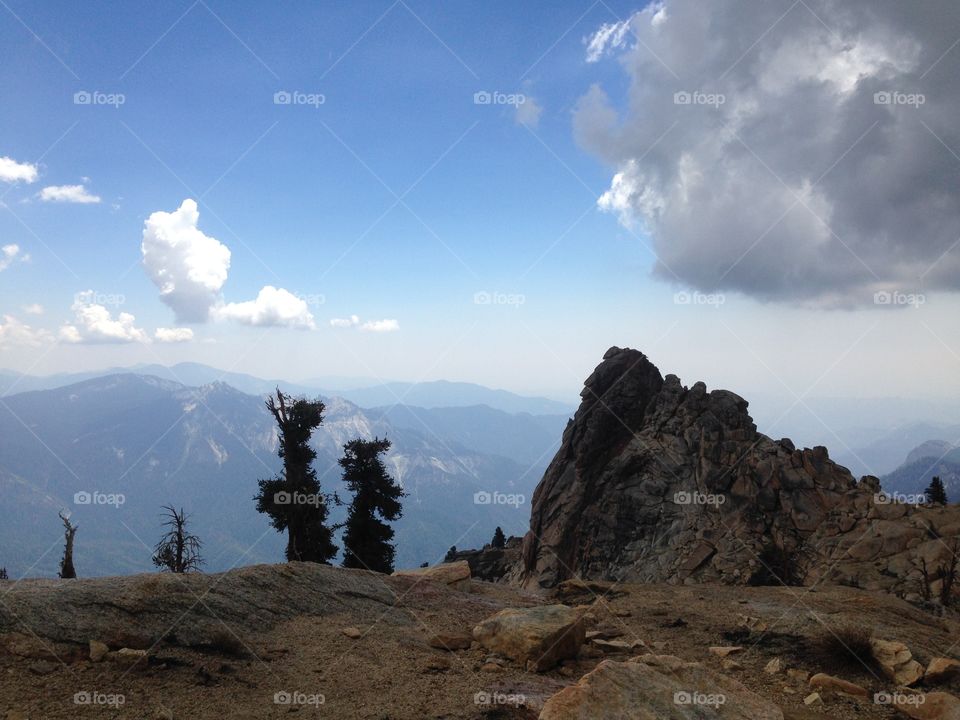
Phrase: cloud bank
[68,194]
[274,307]
[95,324]
[806,153]
[377,326]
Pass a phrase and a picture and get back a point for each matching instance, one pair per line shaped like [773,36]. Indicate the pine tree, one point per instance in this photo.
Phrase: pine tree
[936,493]
[67,570]
[178,550]
[376,499]
[451,554]
[293,500]
[3,574]
[499,540]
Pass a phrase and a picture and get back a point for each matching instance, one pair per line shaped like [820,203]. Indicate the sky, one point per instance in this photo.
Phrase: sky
[763,196]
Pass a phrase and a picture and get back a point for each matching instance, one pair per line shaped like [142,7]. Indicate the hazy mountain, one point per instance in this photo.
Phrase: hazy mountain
[885,453]
[929,459]
[156,441]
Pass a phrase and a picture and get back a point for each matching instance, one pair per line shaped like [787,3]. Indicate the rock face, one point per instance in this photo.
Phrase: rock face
[657,688]
[454,574]
[537,638]
[657,482]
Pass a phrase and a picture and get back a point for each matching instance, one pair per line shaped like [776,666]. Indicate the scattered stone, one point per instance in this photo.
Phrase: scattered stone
[829,682]
[450,641]
[813,699]
[98,651]
[730,664]
[798,676]
[455,574]
[536,637]
[491,668]
[753,624]
[773,667]
[723,652]
[896,661]
[941,670]
[575,590]
[436,665]
[622,613]
[614,646]
[638,691]
[605,634]
[934,706]
[352,633]
[42,667]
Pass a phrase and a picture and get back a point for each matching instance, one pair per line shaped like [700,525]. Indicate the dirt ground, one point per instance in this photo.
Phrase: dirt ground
[309,668]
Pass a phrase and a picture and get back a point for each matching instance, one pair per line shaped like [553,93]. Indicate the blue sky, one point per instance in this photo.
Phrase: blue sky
[396,199]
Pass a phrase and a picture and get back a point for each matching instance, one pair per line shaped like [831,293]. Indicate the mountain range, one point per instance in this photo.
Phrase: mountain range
[114,449]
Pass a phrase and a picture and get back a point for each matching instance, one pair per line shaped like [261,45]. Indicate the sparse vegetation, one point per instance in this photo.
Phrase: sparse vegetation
[227,643]
[3,574]
[67,570]
[778,566]
[178,550]
[293,500]
[845,649]
[940,583]
[376,499]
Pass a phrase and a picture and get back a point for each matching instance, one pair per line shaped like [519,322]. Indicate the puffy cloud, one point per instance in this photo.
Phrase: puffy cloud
[528,112]
[14,332]
[187,266]
[351,321]
[378,326]
[95,324]
[68,194]
[173,335]
[805,157]
[12,171]
[274,307]
[8,253]
[33,309]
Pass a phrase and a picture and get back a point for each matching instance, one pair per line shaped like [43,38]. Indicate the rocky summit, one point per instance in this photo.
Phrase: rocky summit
[658,482]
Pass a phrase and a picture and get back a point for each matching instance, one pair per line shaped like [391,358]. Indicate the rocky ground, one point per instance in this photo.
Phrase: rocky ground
[268,641]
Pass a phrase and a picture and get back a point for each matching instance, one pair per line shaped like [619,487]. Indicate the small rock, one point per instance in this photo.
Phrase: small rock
[813,699]
[829,682]
[941,670]
[934,706]
[799,676]
[605,634]
[659,645]
[613,646]
[723,652]
[98,651]
[772,667]
[163,713]
[42,667]
[622,613]
[491,668]
[896,661]
[436,665]
[753,624]
[730,664]
[16,715]
[352,633]
[538,637]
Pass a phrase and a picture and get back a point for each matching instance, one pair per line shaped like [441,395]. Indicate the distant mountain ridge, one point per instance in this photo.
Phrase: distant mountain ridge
[933,458]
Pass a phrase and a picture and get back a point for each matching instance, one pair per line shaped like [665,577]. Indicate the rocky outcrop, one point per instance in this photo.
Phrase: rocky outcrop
[491,564]
[538,638]
[453,574]
[658,482]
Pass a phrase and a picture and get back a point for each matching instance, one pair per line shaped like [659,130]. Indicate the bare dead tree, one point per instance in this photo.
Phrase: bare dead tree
[67,570]
[178,550]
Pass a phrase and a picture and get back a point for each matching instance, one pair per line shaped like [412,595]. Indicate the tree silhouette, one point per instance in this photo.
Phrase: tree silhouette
[376,498]
[451,554]
[293,500]
[936,493]
[67,570]
[3,574]
[178,550]
[499,540]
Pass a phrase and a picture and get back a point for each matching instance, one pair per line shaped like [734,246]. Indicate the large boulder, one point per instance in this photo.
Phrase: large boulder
[896,661]
[658,482]
[538,637]
[657,688]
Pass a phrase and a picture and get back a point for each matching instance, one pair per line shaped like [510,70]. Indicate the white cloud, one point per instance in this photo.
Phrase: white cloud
[380,326]
[609,37]
[187,266]
[12,171]
[274,307]
[94,324]
[528,112]
[8,254]
[68,194]
[34,309]
[14,332]
[351,321]
[173,335]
